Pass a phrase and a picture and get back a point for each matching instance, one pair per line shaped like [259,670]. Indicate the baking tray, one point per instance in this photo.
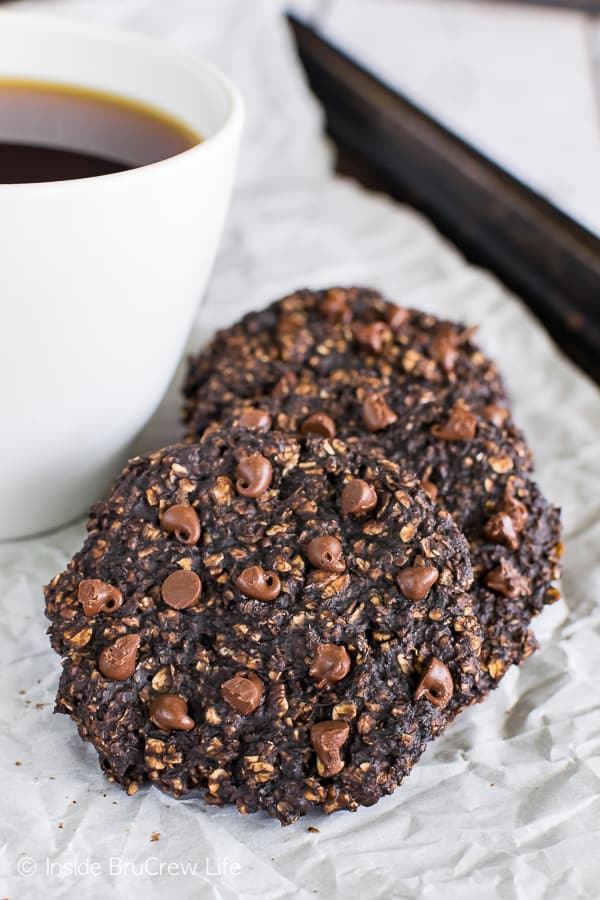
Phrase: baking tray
[540,253]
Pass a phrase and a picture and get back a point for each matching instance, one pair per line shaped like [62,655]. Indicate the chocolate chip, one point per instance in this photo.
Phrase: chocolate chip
[169,712]
[431,490]
[256,583]
[330,664]
[182,521]
[508,522]
[357,498]
[416,581]
[97,596]
[396,316]
[118,660]
[461,426]
[243,692]
[258,419]
[444,346]
[500,529]
[505,579]
[326,553]
[495,414]
[327,739]
[319,423]
[335,307]
[435,684]
[517,511]
[254,475]
[373,336]
[376,414]
[181,589]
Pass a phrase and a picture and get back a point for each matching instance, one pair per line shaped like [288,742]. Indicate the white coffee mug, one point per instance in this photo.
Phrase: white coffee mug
[100,278]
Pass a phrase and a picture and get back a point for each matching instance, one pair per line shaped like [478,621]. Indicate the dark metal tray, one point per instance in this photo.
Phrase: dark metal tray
[545,257]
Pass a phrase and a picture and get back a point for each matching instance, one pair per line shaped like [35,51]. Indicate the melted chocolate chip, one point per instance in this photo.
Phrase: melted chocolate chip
[183,522]
[444,346]
[97,596]
[461,426]
[435,684]
[335,307]
[260,585]
[258,419]
[330,664]
[169,712]
[500,529]
[358,498]
[118,660]
[505,579]
[517,511]
[373,336]
[396,316]
[495,414]
[416,581]
[181,589]
[327,739]
[376,414]
[254,475]
[319,423]
[243,692]
[505,525]
[326,553]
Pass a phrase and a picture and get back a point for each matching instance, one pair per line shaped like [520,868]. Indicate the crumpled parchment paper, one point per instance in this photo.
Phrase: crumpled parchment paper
[507,803]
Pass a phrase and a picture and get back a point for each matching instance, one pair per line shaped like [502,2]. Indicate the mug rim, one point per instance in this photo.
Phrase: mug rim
[232,122]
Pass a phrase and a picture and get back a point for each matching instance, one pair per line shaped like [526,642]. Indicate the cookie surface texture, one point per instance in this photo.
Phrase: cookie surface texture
[278,624]
[350,363]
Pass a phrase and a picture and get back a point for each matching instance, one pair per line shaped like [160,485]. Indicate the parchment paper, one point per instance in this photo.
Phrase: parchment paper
[507,803]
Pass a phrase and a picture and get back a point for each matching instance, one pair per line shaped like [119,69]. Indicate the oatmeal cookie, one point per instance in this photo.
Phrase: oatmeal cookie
[279,624]
[347,363]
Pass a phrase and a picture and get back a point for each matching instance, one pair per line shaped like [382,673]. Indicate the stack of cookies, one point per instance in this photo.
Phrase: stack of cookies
[346,550]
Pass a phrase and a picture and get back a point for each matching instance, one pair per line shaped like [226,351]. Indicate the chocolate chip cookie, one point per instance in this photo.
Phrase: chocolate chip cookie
[280,624]
[349,363]
[353,340]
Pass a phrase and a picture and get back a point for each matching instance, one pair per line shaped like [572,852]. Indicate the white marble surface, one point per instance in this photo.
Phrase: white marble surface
[518,82]
[507,804]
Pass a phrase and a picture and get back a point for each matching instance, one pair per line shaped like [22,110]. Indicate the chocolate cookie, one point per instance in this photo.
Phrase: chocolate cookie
[281,625]
[336,336]
[481,478]
[349,363]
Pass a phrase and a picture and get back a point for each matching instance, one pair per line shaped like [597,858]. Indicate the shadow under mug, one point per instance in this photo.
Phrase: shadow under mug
[100,278]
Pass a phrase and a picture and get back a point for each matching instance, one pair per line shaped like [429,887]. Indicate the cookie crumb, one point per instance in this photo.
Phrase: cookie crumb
[155,836]
[313,830]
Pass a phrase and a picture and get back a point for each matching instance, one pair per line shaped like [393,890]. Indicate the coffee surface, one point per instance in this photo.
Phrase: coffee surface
[56,133]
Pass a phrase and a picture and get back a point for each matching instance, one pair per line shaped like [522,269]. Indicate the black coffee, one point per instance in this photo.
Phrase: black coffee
[54,133]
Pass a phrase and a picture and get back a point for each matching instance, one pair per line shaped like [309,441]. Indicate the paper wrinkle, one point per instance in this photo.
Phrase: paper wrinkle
[507,803]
